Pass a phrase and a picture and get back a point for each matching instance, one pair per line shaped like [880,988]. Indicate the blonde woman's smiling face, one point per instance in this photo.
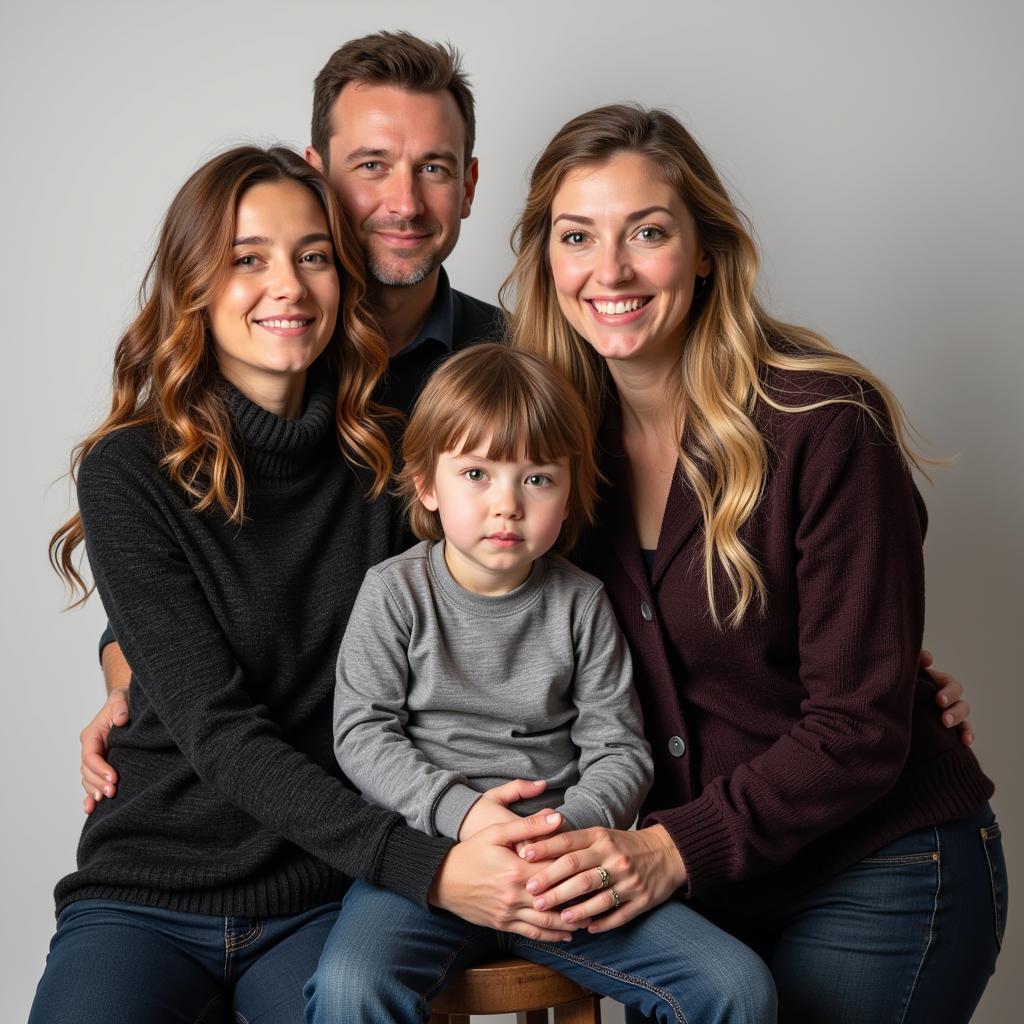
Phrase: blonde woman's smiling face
[624,256]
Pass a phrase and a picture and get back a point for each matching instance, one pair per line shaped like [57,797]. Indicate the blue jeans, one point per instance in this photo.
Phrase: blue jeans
[909,935]
[386,958]
[120,963]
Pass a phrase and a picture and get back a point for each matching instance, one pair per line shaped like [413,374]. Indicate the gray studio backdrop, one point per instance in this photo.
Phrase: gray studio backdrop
[876,147]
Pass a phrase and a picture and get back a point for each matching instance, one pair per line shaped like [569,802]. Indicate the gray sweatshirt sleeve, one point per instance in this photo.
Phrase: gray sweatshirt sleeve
[615,766]
[370,713]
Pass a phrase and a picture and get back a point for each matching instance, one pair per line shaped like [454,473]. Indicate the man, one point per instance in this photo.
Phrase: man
[393,129]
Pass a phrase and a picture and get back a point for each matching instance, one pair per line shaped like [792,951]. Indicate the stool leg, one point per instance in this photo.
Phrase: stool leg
[581,1011]
[532,1017]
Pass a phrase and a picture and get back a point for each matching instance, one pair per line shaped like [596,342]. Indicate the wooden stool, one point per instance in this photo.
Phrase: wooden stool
[519,987]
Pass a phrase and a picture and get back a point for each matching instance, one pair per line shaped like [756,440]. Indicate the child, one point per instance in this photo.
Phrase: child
[479,658]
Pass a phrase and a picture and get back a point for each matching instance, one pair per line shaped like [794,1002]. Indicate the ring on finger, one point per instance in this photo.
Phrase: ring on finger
[605,877]
[617,900]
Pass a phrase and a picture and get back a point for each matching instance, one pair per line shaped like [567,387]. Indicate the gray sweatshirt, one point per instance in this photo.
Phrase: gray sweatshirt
[442,694]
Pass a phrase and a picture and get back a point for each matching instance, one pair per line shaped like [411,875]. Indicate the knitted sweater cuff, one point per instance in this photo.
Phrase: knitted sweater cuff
[699,832]
[409,861]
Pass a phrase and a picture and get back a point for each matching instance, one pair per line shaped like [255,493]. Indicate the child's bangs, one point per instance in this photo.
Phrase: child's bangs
[516,423]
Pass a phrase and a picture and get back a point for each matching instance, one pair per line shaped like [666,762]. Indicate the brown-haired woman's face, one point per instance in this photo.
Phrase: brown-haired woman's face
[624,257]
[276,309]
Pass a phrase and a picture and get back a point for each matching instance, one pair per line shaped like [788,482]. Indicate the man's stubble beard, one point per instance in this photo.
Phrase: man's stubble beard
[389,277]
[397,273]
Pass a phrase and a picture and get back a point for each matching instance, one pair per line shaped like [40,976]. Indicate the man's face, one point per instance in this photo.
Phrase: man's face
[397,165]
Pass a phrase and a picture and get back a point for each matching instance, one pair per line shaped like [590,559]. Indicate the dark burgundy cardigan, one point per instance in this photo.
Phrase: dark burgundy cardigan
[792,746]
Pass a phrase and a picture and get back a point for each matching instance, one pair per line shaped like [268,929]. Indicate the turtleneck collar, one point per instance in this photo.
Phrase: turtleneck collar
[274,447]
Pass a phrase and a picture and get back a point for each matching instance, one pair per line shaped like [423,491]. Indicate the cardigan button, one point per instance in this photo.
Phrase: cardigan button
[645,611]
[677,746]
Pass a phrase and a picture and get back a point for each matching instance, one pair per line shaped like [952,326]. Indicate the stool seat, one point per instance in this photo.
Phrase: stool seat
[515,986]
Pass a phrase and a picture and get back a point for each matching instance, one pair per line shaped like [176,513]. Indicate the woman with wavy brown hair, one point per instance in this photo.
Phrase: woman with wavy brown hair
[230,504]
[760,537]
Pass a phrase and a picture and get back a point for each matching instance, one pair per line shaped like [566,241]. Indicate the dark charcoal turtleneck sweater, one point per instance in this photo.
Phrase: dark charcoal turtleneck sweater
[230,800]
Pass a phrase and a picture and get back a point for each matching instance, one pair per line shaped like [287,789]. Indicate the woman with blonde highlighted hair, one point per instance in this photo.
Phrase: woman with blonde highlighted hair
[230,504]
[760,537]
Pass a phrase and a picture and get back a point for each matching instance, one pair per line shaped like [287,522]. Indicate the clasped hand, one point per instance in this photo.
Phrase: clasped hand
[513,873]
[625,874]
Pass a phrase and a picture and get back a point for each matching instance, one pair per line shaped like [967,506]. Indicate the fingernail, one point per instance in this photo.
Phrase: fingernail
[540,904]
[96,795]
[568,938]
[532,886]
[551,819]
[566,915]
[947,719]
[943,699]
[529,855]
[109,777]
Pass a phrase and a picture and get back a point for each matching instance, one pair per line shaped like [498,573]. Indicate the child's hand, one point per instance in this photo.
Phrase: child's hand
[492,807]
[517,789]
[484,813]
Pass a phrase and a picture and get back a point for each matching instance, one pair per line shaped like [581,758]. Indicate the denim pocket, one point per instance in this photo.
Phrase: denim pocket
[992,843]
[920,847]
[928,857]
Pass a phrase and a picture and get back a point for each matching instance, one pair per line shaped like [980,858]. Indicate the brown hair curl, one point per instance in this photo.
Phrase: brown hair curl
[165,373]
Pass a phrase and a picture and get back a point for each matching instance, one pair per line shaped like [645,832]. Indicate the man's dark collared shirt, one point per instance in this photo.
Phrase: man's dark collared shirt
[455,321]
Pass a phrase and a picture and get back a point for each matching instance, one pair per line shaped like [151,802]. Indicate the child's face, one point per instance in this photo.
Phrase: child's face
[498,517]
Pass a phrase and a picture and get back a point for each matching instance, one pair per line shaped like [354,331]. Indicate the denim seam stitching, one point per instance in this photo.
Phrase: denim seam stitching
[908,858]
[931,925]
[251,936]
[206,1009]
[442,974]
[992,832]
[227,953]
[609,972]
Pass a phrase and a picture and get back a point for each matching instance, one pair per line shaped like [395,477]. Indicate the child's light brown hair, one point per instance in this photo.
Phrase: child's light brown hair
[526,408]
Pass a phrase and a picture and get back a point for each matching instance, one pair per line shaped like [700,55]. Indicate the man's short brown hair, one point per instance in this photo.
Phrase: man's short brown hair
[390,58]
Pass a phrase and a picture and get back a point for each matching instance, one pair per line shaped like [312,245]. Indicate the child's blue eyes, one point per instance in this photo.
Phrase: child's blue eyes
[538,480]
[475,475]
